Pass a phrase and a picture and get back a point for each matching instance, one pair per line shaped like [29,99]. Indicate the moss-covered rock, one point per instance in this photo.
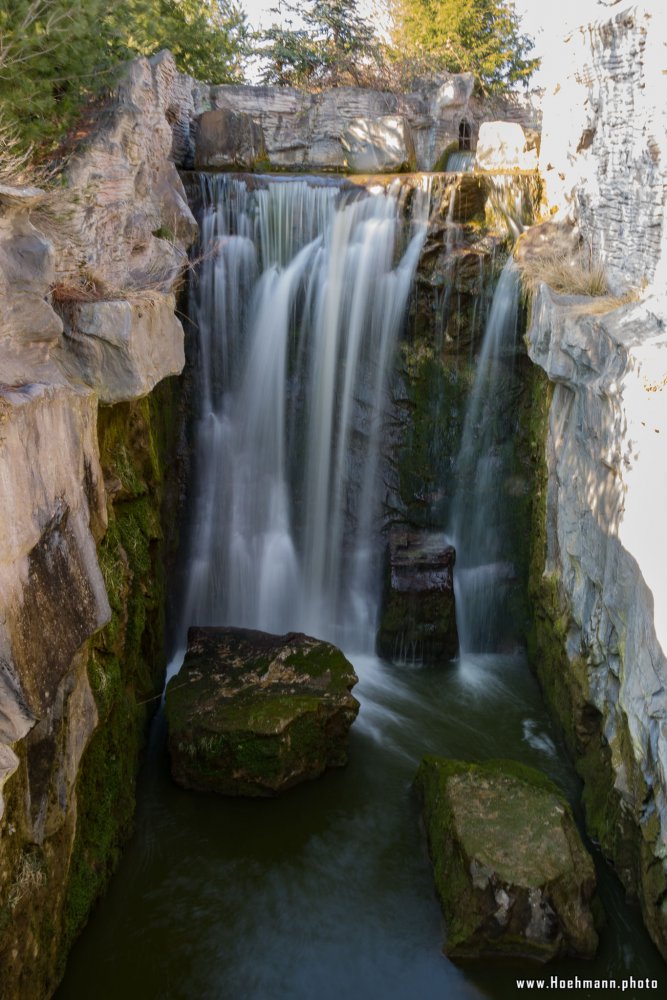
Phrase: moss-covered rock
[510,869]
[253,714]
[418,620]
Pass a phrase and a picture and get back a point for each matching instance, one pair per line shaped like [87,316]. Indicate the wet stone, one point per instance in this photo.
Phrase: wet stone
[511,872]
[252,713]
[418,620]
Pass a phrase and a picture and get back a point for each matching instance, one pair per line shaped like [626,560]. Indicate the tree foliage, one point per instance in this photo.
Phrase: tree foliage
[334,45]
[479,36]
[55,54]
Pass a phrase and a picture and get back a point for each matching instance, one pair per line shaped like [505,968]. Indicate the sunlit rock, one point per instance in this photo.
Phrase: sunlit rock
[504,146]
[254,714]
[510,869]
[122,349]
[379,145]
[228,140]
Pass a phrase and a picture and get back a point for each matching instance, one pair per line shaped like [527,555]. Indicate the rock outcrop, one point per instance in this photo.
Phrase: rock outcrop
[347,129]
[251,713]
[87,276]
[604,143]
[598,578]
[418,620]
[511,872]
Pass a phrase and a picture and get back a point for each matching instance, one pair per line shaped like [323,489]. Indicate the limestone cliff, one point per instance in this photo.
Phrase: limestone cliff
[604,140]
[600,548]
[87,276]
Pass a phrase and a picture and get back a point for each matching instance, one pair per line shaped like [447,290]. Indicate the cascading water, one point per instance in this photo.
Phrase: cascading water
[481,508]
[302,294]
[481,515]
[221,897]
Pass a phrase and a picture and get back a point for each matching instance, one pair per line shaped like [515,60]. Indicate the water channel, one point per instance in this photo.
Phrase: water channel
[326,891]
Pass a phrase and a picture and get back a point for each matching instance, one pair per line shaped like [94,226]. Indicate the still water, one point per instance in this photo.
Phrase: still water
[327,892]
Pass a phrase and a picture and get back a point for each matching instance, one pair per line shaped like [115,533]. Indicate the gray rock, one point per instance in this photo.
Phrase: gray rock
[510,869]
[254,714]
[122,349]
[418,619]
[228,140]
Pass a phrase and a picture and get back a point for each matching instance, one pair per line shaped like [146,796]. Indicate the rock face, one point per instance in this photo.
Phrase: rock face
[228,140]
[418,620]
[254,714]
[599,586]
[122,348]
[599,582]
[503,146]
[604,142]
[348,128]
[511,872]
[81,598]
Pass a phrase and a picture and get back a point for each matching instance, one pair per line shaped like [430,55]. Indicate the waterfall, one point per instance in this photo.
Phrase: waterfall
[481,510]
[302,293]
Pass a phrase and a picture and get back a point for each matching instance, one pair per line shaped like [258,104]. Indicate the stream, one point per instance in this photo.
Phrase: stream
[326,891]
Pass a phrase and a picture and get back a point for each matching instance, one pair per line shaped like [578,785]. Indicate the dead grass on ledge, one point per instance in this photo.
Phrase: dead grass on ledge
[566,275]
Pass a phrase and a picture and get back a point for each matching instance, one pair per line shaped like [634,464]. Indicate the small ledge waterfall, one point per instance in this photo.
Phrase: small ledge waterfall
[303,291]
[481,511]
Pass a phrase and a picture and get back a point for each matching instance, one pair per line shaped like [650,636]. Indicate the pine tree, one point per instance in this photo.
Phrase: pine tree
[478,36]
[336,45]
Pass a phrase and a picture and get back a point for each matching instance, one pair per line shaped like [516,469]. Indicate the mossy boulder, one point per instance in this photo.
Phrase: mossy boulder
[418,620]
[510,869]
[251,713]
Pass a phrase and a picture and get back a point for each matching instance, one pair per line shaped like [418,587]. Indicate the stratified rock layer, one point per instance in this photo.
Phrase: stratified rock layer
[253,714]
[599,585]
[418,620]
[511,872]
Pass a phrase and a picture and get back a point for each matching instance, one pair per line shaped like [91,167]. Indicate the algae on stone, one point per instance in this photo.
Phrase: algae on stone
[253,714]
[511,872]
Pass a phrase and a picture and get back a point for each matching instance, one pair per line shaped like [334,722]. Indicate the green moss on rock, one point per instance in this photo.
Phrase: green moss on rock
[127,660]
[253,714]
[510,870]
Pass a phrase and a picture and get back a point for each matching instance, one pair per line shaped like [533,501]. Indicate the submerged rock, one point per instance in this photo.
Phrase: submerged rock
[511,871]
[253,714]
[418,621]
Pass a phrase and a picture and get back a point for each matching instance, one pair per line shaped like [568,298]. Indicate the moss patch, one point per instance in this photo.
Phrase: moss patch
[127,660]
[510,869]
[253,714]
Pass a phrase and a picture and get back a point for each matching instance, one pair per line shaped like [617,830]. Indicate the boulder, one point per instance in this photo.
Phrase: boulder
[418,620]
[511,871]
[122,348]
[228,140]
[379,145]
[504,146]
[254,714]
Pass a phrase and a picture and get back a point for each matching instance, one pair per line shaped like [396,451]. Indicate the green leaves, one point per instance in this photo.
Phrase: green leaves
[55,55]
[478,36]
[334,46]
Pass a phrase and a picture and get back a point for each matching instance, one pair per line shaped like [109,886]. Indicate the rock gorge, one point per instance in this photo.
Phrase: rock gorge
[91,421]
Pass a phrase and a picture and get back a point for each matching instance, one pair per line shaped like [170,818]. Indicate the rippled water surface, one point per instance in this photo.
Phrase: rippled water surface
[327,892]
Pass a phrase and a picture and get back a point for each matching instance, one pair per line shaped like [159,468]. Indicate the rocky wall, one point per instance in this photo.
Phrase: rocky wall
[604,141]
[597,579]
[87,279]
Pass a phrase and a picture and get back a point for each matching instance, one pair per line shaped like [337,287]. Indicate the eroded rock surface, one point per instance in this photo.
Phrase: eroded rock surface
[601,589]
[418,620]
[254,714]
[71,560]
[604,145]
[510,870]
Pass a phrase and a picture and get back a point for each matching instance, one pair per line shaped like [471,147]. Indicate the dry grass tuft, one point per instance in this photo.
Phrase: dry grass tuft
[565,274]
